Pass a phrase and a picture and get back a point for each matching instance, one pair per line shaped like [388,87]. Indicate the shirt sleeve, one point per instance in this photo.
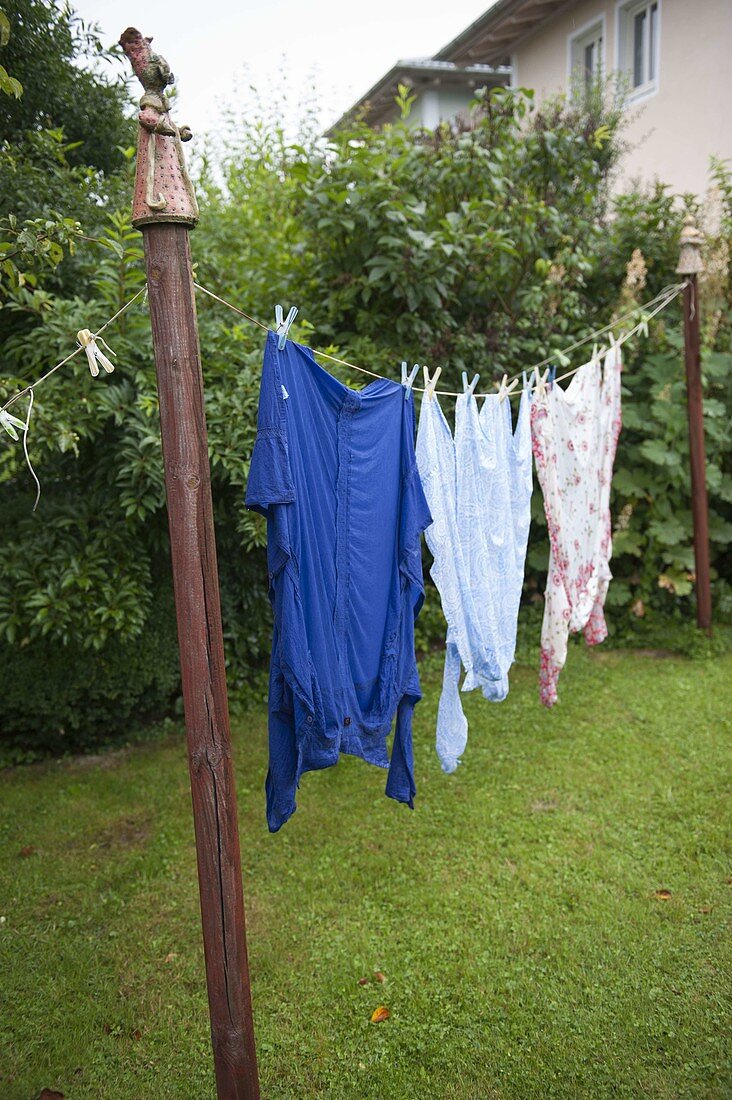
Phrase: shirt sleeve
[415,517]
[270,476]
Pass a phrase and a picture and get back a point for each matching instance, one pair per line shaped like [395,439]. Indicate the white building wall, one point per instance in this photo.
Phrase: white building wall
[673,132]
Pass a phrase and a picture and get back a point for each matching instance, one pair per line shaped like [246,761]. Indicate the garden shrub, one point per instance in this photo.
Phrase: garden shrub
[58,698]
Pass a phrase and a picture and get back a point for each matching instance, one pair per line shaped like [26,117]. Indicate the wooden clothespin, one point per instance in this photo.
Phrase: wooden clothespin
[10,423]
[469,388]
[282,325]
[94,356]
[506,388]
[408,379]
[430,383]
[540,383]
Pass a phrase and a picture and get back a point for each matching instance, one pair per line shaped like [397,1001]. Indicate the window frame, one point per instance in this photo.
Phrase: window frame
[581,38]
[625,14]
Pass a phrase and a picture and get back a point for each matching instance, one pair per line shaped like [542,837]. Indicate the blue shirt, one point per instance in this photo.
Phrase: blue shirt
[333,470]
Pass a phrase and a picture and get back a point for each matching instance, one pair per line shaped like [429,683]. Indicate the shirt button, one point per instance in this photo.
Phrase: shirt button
[346,721]
[309,719]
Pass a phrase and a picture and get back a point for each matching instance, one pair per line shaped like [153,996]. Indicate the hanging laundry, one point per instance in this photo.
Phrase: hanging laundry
[478,487]
[334,472]
[574,438]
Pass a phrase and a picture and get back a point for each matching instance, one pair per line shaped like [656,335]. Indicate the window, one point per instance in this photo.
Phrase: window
[586,56]
[638,29]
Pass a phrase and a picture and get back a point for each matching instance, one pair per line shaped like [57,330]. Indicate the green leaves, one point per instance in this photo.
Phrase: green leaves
[8,84]
[657,452]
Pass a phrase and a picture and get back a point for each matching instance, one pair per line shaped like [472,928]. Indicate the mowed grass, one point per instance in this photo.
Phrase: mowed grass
[552,920]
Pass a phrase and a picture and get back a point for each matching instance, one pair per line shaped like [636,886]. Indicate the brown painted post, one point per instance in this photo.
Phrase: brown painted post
[690,264]
[165,210]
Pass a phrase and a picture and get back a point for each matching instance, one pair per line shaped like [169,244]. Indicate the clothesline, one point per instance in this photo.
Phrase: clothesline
[31,387]
[664,297]
[652,307]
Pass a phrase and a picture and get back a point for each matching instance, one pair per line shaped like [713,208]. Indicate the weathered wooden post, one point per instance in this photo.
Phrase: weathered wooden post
[165,209]
[690,264]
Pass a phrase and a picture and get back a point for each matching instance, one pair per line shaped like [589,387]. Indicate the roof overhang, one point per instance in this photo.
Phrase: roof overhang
[377,105]
[492,38]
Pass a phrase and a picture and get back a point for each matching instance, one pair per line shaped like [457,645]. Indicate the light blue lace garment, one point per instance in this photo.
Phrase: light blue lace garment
[478,487]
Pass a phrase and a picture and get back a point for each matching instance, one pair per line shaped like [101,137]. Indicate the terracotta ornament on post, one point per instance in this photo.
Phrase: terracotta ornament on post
[163,188]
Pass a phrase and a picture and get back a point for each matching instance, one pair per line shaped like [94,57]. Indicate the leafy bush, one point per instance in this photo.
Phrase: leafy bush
[42,47]
[58,698]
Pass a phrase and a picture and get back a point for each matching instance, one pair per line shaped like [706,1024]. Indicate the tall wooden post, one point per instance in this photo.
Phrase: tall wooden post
[690,264]
[165,209]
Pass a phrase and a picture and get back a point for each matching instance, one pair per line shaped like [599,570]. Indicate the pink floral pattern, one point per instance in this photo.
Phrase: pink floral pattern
[574,436]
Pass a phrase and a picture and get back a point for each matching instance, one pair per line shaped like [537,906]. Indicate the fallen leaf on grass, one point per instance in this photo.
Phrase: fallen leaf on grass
[363,981]
[380,1014]
[705,908]
[663,895]
[50,1094]
[170,956]
[137,1034]
[378,976]
[29,850]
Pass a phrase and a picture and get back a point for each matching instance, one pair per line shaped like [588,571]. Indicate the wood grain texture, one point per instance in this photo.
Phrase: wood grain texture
[198,611]
[697,454]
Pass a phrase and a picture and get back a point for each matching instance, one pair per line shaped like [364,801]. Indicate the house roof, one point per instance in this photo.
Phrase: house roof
[491,38]
[420,74]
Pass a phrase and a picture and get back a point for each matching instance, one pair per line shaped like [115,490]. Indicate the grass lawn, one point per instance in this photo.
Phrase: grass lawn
[552,920]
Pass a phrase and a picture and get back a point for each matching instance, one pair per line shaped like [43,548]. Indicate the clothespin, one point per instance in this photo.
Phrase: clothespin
[643,324]
[94,356]
[506,388]
[430,383]
[562,359]
[282,324]
[470,387]
[540,383]
[10,423]
[408,379]
[552,373]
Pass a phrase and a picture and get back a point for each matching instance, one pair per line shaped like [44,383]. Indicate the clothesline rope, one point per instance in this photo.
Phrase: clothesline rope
[30,390]
[32,385]
[660,302]
[664,297]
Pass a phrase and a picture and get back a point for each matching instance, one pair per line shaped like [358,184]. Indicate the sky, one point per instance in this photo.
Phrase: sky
[335,49]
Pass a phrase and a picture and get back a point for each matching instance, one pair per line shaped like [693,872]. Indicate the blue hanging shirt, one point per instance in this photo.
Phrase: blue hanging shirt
[334,471]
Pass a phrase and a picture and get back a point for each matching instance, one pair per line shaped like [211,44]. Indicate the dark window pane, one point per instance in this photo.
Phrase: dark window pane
[639,34]
[589,62]
[653,45]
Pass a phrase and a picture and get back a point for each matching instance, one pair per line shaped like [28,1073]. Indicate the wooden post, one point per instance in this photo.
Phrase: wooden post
[165,209]
[690,264]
